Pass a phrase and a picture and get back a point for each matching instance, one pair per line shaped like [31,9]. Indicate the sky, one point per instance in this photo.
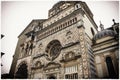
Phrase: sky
[16,15]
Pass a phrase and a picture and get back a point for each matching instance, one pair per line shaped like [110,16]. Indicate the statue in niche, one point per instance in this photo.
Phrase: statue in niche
[30,48]
[26,48]
[22,50]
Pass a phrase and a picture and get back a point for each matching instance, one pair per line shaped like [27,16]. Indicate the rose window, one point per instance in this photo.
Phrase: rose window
[53,49]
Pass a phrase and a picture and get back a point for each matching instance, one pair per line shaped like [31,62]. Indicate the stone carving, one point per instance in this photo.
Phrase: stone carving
[22,48]
[39,55]
[37,65]
[52,65]
[69,37]
[69,56]
[39,48]
[53,50]
[101,26]
[26,48]
[84,54]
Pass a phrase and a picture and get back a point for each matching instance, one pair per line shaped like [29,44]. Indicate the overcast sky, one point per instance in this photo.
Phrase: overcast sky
[15,16]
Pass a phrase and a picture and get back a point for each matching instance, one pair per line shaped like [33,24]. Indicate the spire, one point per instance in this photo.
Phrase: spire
[101,26]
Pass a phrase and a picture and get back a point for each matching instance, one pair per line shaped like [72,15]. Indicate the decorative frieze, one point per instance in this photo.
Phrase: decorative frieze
[57,28]
[52,65]
[70,44]
[69,56]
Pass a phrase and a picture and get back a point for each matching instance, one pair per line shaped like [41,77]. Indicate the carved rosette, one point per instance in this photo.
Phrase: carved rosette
[84,54]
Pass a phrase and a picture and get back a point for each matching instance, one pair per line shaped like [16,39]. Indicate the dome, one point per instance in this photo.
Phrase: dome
[104,33]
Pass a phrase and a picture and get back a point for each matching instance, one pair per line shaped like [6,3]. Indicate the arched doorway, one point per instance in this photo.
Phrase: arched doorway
[51,77]
[110,68]
[22,72]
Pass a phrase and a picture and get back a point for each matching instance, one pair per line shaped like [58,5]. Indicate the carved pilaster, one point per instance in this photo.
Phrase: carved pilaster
[80,69]
[62,72]
[84,54]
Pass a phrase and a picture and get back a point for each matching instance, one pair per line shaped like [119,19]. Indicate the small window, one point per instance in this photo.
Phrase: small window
[68,22]
[54,30]
[75,19]
[93,33]
[77,6]
[63,25]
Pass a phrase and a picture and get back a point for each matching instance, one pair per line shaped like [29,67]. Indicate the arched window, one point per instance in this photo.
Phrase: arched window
[110,67]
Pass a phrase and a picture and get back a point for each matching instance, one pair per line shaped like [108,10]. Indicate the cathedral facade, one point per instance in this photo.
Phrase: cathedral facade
[67,45]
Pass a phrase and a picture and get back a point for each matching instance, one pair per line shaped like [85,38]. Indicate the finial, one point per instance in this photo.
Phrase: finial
[101,26]
[114,21]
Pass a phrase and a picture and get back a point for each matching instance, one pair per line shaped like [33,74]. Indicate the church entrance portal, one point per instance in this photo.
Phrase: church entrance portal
[51,77]
[22,72]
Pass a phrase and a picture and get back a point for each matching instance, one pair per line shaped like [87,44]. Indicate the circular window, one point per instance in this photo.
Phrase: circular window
[53,49]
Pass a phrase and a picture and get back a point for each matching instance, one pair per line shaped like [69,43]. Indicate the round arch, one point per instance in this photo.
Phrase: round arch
[110,67]
[22,71]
